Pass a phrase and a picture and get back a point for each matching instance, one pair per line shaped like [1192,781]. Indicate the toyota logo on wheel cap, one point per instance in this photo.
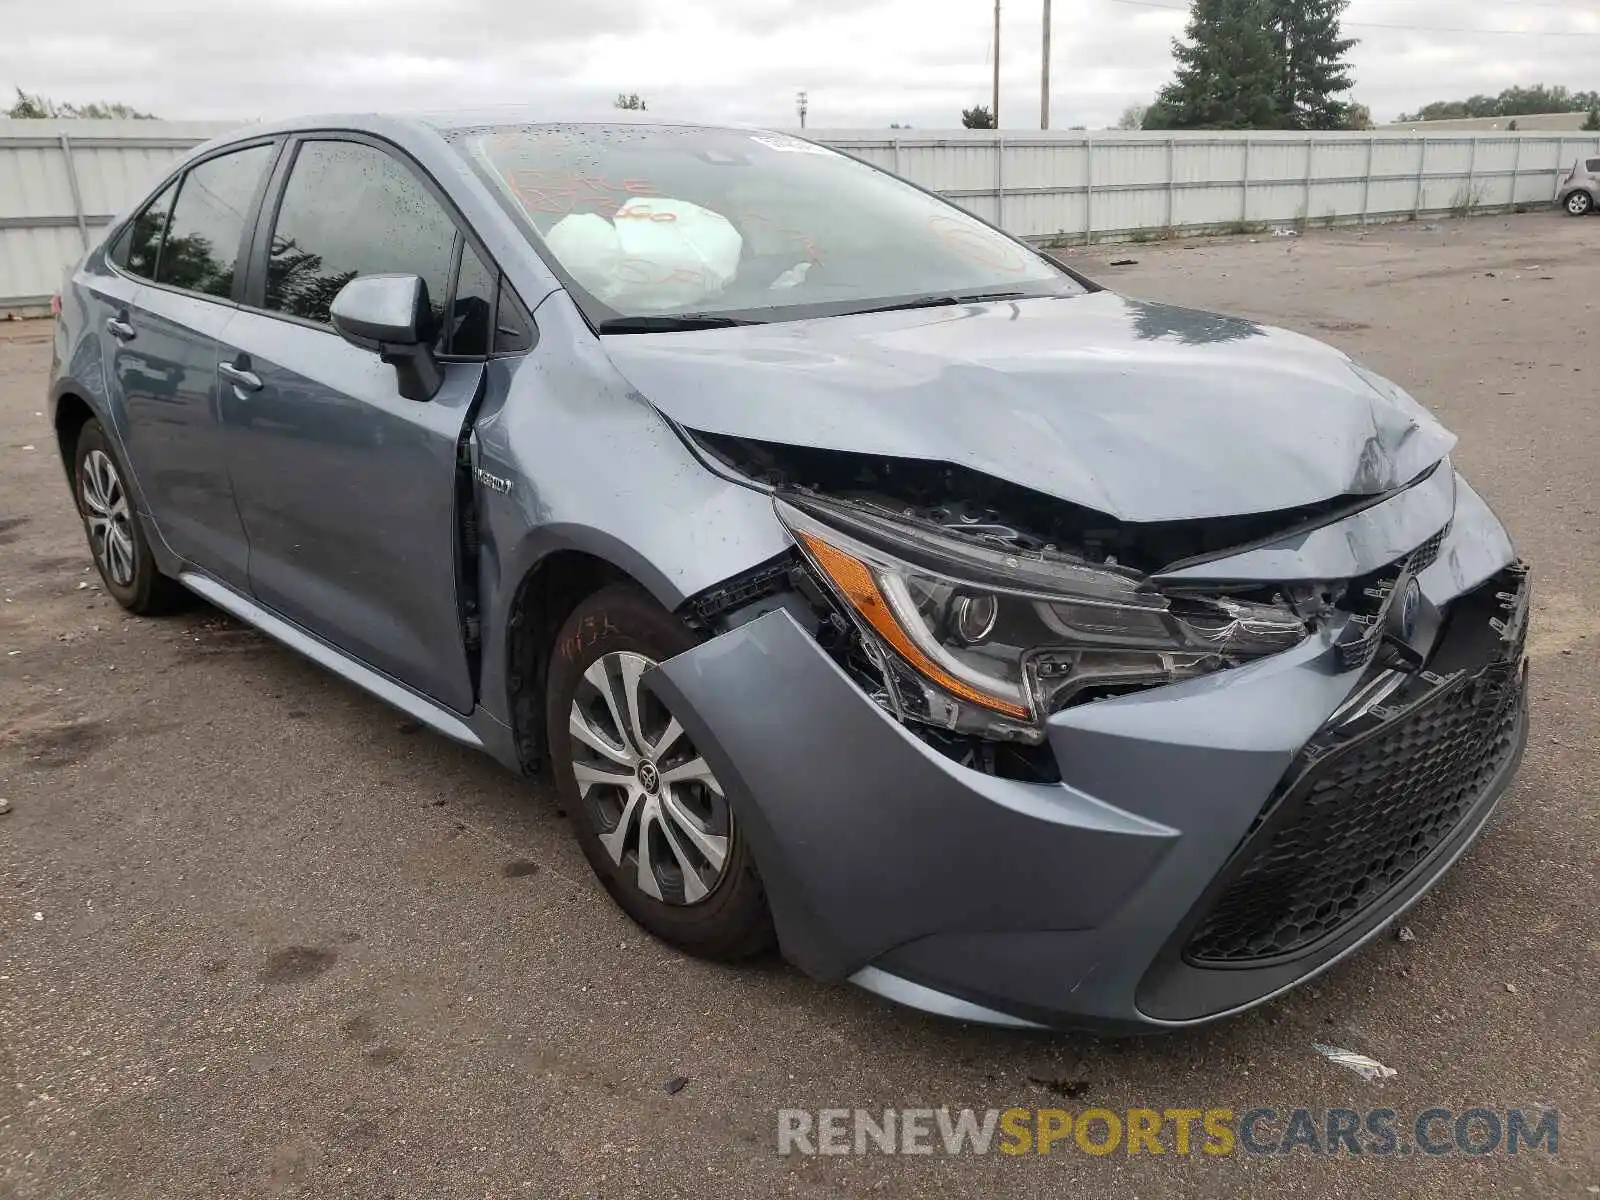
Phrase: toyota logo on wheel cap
[1410,610]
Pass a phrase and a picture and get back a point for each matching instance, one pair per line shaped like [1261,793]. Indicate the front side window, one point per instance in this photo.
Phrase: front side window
[208,222]
[670,220]
[351,209]
[139,244]
[513,327]
[472,310]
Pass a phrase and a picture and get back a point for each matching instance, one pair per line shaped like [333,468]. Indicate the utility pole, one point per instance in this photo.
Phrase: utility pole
[995,100]
[800,103]
[1044,73]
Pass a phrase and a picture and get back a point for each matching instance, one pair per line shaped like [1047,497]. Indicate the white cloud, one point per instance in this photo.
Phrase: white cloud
[864,63]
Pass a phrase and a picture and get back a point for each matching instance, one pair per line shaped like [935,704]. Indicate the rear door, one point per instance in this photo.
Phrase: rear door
[348,489]
[179,261]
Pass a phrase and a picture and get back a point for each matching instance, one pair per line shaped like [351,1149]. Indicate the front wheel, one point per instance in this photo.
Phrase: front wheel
[1579,203]
[648,810]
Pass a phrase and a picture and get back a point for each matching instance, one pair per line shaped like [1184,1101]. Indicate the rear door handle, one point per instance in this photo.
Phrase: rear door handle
[243,380]
[119,329]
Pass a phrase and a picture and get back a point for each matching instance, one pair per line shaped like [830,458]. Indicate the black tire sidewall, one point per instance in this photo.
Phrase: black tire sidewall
[140,595]
[733,922]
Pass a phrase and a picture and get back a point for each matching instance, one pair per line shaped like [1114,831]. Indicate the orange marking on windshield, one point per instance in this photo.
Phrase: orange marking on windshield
[644,213]
[977,244]
[808,245]
[540,189]
[641,272]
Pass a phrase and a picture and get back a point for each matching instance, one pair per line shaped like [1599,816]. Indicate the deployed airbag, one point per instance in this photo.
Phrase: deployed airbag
[656,255]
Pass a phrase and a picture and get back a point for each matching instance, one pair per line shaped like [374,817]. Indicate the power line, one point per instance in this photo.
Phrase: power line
[1566,33]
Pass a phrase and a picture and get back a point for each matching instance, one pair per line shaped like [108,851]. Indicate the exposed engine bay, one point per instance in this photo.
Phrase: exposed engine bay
[971,608]
[971,504]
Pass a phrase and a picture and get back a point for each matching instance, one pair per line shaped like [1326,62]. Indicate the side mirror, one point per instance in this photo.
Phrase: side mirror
[391,314]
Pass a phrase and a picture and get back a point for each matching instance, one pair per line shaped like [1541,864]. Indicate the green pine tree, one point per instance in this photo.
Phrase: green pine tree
[1229,71]
[1312,52]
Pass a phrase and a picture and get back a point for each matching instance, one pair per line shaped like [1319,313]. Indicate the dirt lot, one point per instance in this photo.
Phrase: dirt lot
[259,935]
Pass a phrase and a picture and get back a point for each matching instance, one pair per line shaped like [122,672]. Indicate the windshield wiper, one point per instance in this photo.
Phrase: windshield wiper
[669,322]
[940,301]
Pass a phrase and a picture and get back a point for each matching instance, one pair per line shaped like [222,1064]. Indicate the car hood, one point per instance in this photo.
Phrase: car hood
[1144,412]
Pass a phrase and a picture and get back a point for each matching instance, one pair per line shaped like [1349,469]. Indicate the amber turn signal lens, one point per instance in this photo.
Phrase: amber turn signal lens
[855,582]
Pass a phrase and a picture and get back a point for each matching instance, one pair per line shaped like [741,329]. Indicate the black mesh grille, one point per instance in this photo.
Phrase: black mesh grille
[1426,554]
[1359,820]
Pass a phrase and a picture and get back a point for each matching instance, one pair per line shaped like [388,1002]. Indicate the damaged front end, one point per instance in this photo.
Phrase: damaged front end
[1141,774]
[974,610]
[976,638]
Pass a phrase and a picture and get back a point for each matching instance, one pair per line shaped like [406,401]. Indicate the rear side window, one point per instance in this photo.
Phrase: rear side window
[139,244]
[1592,166]
[208,221]
[351,209]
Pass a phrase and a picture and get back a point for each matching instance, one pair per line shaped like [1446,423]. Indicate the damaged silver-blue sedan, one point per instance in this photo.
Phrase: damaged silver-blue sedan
[868,584]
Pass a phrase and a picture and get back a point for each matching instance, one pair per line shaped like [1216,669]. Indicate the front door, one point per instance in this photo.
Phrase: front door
[347,489]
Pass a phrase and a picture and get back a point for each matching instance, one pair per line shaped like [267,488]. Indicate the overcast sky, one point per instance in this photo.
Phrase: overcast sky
[864,63]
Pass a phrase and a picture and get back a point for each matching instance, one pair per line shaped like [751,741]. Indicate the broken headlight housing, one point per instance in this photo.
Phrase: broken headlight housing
[985,639]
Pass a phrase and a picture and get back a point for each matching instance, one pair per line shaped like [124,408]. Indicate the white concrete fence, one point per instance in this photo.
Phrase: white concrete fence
[63,182]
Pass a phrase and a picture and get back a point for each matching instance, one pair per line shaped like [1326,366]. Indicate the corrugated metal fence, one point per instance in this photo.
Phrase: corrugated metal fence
[62,182]
[1078,187]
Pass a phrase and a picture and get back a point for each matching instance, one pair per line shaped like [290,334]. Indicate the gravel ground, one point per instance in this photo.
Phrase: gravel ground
[259,935]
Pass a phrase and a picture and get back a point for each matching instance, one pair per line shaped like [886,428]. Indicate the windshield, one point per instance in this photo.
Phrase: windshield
[651,223]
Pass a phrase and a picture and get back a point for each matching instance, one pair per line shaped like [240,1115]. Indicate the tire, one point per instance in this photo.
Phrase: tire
[707,896]
[1579,203]
[110,522]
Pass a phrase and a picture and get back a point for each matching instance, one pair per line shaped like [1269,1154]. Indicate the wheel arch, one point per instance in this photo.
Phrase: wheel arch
[545,595]
[535,571]
[72,413]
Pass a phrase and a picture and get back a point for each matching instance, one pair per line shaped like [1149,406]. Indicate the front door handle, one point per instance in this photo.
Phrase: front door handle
[243,380]
[120,329]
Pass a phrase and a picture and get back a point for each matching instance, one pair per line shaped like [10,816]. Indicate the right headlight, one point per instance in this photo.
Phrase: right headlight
[981,639]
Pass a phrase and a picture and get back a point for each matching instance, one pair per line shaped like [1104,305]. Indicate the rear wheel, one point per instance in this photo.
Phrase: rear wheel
[648,810]
[1579,203]
[121,553]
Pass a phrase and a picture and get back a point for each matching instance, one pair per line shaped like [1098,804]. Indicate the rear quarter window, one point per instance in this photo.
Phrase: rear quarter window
[139,244]
[1592,166]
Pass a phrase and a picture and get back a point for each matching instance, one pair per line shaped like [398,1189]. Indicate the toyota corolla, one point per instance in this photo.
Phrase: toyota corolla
[866,583]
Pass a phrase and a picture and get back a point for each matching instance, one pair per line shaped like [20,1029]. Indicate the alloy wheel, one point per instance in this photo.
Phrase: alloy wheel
[660,813]
[109,517]
[1578,203]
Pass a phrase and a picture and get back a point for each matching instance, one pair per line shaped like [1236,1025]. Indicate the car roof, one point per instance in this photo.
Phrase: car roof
[442,121]
[522,114]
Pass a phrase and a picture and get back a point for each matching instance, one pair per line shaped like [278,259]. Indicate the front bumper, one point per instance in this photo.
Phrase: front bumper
[1079,903]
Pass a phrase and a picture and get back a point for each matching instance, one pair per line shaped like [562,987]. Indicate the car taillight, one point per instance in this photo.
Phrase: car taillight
[55,305]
